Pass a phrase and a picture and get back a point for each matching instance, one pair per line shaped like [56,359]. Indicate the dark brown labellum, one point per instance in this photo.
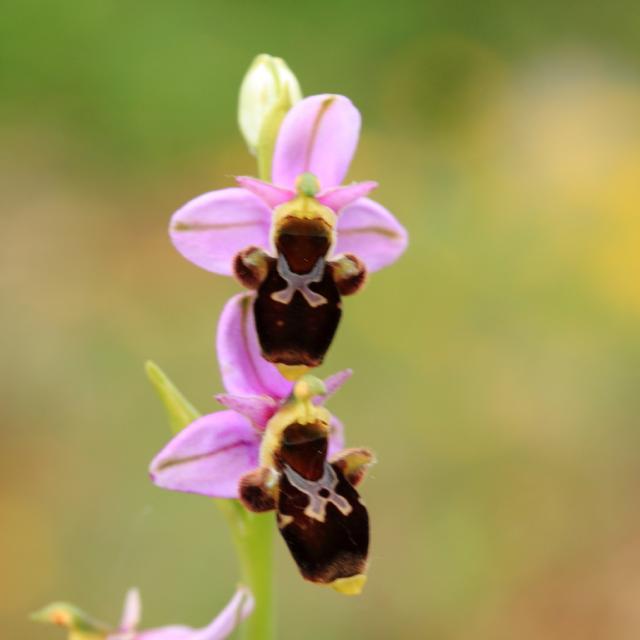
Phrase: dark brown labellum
[324,524]
[296,326]
[298,301]
[298,305]
[320,514]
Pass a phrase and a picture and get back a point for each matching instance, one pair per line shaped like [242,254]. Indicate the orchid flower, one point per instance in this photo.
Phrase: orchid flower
[302,240]
[245,452]
[83,627]
[211,455]
[319,512]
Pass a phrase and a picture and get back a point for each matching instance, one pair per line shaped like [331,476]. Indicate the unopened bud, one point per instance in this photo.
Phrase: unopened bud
[77,622]
[269,85]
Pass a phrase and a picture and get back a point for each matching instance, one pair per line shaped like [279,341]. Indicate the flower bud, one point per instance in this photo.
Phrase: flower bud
[80,625]
[269,84]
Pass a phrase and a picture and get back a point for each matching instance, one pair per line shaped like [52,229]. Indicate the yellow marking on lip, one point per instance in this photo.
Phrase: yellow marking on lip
[351,586]
[292,372]
[284,520]
[293,411]
[303,208]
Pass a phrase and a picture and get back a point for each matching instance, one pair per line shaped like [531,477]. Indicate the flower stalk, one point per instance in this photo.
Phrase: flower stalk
[252,534]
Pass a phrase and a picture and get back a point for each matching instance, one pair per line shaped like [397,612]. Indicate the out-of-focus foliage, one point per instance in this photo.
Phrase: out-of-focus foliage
[497,364]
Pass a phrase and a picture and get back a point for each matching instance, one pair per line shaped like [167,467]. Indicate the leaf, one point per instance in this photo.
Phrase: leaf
[179,410]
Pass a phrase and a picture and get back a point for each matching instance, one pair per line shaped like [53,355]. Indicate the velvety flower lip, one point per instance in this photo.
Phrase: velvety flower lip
[244,371]
[211,455]
[318,135]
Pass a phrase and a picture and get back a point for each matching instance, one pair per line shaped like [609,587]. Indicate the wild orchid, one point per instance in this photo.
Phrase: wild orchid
[276,448]
[301,241]
[80,626]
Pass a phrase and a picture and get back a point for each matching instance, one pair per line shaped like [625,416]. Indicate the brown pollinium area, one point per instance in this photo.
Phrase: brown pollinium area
[304,449]
[303,242]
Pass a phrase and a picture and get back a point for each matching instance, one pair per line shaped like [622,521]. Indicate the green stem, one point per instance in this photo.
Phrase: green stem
[252,533]
[253,539]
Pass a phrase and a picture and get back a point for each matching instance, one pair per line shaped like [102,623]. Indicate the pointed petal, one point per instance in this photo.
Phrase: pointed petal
[337,198]
[174,632]
[319,135]
[212,228]
[131,611]
[209,456]
[259,409]
[370,232]
[332,384]
[244,370]
[239,607]
[336,438]
[267,192]
[335,381]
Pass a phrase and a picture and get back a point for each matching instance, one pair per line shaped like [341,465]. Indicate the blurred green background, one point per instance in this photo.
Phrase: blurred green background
[497,364]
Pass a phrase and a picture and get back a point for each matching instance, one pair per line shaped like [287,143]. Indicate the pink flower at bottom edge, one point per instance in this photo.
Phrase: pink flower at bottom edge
[82,626]
[238,608]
